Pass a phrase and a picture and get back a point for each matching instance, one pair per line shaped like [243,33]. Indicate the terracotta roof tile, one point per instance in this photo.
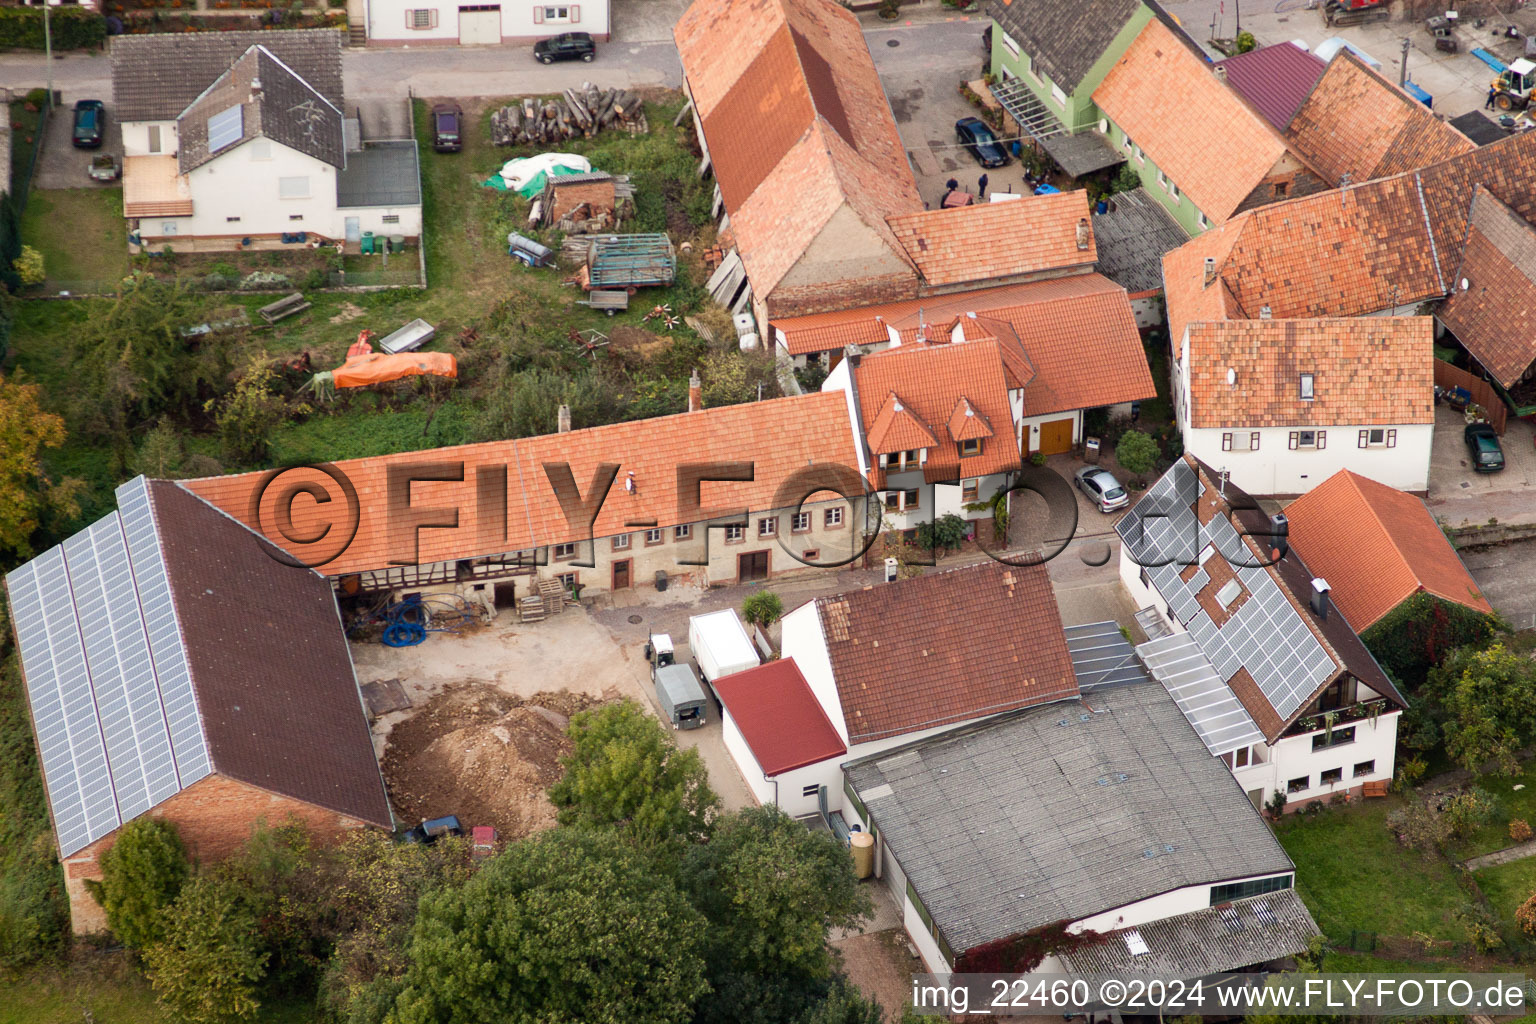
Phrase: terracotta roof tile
[1275,79]
[779,717]
[1376,547]
[1494,316]
[997,240]
[778,437]
[1357,123]
[932,381]
[946,647]
[968,424]
[1195,129]
[1370,370]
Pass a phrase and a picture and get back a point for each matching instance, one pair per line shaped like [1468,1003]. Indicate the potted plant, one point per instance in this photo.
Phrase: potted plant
[890,10]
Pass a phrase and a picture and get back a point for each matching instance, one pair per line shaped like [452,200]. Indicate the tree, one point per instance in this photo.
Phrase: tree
[141,875]
[1245,41]
[1488,698]
[527,403]
[247,416]
[29,267]
[624,770]
[207,968]
[572,925]
[771,889]
[762,608]
[1137,453]
[733,376]
[27,495]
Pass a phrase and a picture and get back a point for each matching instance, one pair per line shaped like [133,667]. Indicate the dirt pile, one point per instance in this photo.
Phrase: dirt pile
[482,755]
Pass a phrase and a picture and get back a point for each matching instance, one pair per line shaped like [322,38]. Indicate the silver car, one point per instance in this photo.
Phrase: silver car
[1102,488]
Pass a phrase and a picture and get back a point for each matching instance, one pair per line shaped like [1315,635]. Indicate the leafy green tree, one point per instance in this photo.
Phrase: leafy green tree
[572,925]
[527,403]
[28,498]
[1488,697]
[733,376]
[845,1004]
[141,874]
[624,770]
[247,415]
[208,967]
[1137,453]
[771,889]
[762,608]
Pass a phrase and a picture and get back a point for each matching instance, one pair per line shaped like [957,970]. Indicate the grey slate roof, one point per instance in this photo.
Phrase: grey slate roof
[1132,239]
[1061,812]
[155,77]
[284,108]
[1065,39]
[1204,942]
[380,174]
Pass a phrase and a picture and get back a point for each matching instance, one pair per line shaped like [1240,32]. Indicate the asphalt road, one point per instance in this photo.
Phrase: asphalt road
[1503,573]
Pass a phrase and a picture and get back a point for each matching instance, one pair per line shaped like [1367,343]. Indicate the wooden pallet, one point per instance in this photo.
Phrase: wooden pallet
[552,593]
[530,608]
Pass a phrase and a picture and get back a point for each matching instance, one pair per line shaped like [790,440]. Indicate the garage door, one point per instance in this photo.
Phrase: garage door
[480,25]
[1056,437]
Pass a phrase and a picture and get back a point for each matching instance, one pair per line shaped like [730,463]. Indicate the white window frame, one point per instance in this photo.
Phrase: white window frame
[621,542]
[1240,441]
[735,534]
[1319,440]
[654,537]
[1307,387]
[800,522]
[554,14]
[564,552]
[1058,95]
[286,185]
[155,144]
[1011,45]
[682,532]
[768,526]
[833,516]
[1029,67]
[1205,223]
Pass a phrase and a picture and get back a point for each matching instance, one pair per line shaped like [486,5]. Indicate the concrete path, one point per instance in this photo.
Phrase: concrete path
[1504,856]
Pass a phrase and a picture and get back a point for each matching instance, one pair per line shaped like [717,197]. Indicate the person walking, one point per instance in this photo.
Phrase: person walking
[1492,92]
[981,188]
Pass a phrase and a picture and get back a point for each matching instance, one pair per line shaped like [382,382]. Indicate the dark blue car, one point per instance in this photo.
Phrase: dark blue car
[975,136]
[90,124]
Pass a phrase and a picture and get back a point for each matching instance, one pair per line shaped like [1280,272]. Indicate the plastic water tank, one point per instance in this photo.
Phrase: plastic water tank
[748,342]
[863,846]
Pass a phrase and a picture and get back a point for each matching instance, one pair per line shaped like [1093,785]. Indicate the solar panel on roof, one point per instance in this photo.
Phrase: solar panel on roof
[226,128]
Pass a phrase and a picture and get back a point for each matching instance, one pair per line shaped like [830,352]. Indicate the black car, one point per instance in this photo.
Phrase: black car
[90,123]
[975,136]
[431,831]
[1483,445]
[447,126]
[567,46]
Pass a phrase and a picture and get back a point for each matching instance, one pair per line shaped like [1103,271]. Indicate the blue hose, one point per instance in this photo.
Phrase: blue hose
[406,623]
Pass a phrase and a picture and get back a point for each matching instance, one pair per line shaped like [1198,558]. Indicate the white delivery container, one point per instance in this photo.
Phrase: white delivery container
[720,644]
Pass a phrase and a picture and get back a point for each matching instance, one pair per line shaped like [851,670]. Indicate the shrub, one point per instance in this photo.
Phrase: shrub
[1479,928]
[29,266]
[316,278]
[1037,459]
[1313,808]
[265,280]
[37,98]
[762,608]
[141,874]
[1429,828]
[947,533]
[207,969]
[1276,803]
[1245,42]
[811,376]
[1520,830]
[73,28]
[225,270]
[217,282]
[1525,915]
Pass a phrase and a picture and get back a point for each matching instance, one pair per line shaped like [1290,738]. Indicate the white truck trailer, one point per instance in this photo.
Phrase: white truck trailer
[720,645]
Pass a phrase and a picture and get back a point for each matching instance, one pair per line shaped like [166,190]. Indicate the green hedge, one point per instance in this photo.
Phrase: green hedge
[73,28]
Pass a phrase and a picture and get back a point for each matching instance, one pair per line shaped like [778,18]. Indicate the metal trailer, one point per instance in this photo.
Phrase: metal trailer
[530,252]
[408,338]
[681,696]
[630,261]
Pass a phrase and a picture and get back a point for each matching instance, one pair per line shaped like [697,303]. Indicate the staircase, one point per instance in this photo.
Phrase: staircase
[357,35]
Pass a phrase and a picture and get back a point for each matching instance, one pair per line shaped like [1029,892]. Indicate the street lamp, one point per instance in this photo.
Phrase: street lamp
[48,51]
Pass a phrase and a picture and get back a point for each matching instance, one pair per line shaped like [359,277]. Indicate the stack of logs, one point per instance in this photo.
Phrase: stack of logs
[575,113]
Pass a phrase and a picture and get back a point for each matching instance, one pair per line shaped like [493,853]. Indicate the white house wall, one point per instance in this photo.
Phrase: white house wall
[371,218]
[236,195]
[751,772]
[1186,900]
[136,138]
[926,946]
[389,21]
[1292,757]
[1276,468]
[788,788]
[801,638]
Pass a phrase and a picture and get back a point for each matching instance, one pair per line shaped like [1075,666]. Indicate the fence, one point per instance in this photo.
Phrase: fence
[1483,393]
[24,162]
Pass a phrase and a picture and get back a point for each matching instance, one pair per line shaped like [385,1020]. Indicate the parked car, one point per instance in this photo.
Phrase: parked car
[105,167]
[447,128]
[90,123]
[1102,488]
[434,829]
[1483,445]
[975,136]
[484,839]
[566,46]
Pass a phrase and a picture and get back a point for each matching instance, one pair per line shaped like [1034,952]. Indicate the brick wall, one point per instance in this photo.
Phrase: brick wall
[786,301]
[568,197]
[215,816]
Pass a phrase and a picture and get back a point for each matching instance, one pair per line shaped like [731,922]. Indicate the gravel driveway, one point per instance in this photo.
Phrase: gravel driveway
[61,164]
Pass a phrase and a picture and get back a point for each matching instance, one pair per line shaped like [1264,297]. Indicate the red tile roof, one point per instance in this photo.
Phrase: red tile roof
[1274,79]
[1494,315]
[998,240]
[1357,123]
[778,437]
[931,381]
[967,424]
[1366,371]
[945,647]
[1196,130]
[1376,547]
[779,717]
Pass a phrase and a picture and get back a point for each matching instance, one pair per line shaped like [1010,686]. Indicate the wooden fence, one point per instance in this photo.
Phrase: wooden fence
[1483,393]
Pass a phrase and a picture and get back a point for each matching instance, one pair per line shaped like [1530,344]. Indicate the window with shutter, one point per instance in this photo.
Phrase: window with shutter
[1226,442]
[1391,439]
[1253,441]
[575,13]
[1295,439]
[1365,439]
[1322,439]
[538,15]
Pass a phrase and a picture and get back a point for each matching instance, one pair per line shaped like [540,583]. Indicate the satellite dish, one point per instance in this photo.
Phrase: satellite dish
[1465,284]
[1231,377]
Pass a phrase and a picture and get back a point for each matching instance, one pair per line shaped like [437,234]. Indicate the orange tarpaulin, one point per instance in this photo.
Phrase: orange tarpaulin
[379,368]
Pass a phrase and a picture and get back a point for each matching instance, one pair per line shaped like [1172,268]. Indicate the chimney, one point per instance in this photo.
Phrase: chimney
[255,87]
[852,356]
[695,393]
[1320,598]
[563,419]
[1083,234]
[1221,72]
[1210,269]
[1265,313]
[1279,535]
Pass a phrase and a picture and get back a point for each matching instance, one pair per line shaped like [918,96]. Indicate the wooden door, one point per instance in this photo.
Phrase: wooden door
[621,574]
[752,566]
[1055,437]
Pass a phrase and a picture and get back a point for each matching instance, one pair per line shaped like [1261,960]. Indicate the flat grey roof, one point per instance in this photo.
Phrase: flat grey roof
[1132,239]
[380,174]
[1061,812]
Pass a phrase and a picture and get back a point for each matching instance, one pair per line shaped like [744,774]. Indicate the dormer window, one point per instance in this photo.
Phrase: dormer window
[971,447]
[1306,387]
[900,461]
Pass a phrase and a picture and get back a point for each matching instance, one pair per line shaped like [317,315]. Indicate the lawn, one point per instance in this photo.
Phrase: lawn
[82,236]
[1354,876]
[1506,887]
[1511,803]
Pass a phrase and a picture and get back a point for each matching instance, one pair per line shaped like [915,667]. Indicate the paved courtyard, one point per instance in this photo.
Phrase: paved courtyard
[1459,497]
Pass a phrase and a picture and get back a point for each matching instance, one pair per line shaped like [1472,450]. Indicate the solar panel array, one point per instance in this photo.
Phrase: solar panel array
[1265,634]
[226,128]
[1207,701]
[107,679]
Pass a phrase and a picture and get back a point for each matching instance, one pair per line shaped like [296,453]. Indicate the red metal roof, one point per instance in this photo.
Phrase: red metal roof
[779,717]
[1274,79]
